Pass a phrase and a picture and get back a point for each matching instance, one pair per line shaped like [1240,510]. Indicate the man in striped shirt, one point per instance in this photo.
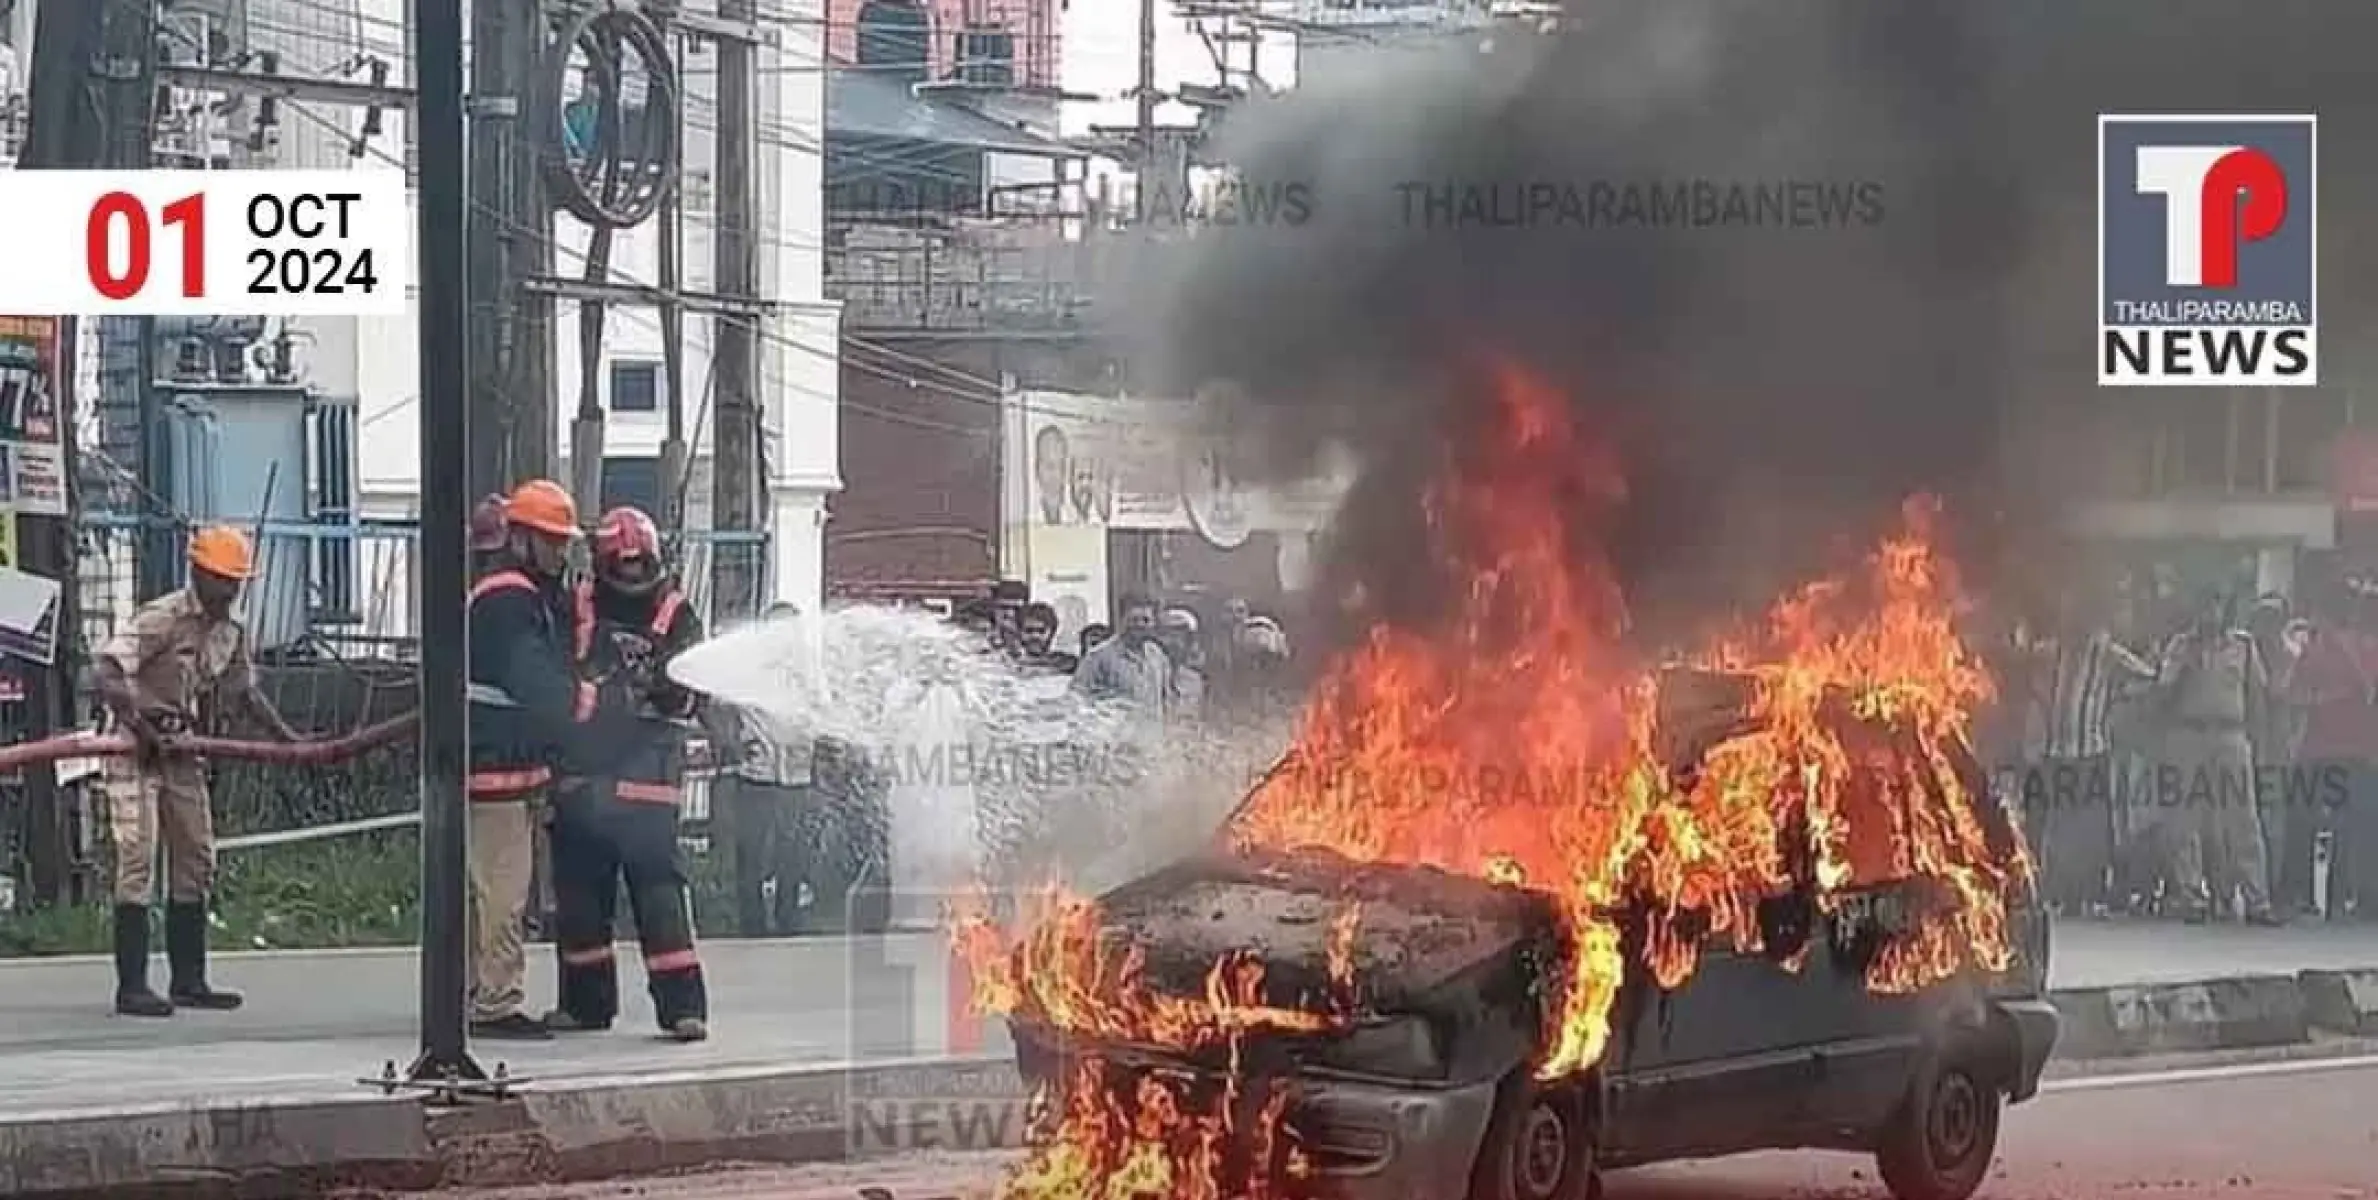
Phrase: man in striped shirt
[2069,791]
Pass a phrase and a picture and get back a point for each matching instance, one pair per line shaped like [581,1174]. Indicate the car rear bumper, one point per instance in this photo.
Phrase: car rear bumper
[2033,1026]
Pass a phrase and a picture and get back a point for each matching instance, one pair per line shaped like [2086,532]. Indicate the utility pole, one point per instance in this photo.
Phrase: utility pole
[1146,94]
[128,42]
[62,134]
[735,483]
[513,408]
[445,1064]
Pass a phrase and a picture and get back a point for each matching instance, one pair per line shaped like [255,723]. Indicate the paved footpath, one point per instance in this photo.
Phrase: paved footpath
[316,1021]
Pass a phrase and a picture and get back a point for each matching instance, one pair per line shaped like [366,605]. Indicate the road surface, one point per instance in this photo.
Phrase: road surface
[2266,1131]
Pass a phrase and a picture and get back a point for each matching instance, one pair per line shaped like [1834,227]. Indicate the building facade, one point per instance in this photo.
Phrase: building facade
[1010,43]
[371,363]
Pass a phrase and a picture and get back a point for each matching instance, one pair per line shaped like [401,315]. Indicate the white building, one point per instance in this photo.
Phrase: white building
[373,360]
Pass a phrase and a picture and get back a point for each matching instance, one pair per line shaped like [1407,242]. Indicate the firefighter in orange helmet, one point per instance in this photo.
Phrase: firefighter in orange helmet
[176,668]
[524,702]
[621,819]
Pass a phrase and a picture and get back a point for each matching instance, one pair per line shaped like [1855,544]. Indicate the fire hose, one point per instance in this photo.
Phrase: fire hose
[116,745]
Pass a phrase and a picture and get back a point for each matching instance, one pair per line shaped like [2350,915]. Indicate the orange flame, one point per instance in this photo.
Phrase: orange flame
[1518,743]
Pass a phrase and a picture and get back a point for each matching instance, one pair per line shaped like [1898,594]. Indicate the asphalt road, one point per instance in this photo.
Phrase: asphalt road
[2270,1131]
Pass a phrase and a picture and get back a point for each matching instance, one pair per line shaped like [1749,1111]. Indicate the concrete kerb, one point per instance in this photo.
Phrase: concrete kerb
[2342,1001]
[2238,1013]
[577,1131]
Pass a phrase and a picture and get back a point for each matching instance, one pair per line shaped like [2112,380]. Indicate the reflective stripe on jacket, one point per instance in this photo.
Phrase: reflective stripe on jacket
[518,666]
[644,753]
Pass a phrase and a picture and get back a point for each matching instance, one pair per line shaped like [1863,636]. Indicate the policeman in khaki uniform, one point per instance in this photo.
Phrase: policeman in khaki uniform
[180,665]
[2215,687]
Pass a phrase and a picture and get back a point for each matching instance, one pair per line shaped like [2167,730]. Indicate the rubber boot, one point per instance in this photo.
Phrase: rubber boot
[185,948]
[133,997]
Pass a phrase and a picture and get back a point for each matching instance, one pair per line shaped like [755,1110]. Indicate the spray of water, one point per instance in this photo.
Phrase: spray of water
[976,758]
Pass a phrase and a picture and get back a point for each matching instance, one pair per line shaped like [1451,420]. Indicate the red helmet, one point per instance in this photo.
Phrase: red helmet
[627,551]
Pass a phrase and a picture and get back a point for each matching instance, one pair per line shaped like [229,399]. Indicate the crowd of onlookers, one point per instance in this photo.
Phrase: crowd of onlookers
[2196,756]
[827,835]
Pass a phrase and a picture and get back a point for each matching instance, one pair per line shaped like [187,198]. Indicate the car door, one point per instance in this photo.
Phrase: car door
[1867,1041]
[1717,1065]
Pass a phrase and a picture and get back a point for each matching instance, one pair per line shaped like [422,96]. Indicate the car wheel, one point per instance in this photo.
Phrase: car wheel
[1939,1145]
[1537,1146]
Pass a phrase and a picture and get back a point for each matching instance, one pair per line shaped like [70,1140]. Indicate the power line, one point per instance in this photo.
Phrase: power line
[786,136]
[988,392]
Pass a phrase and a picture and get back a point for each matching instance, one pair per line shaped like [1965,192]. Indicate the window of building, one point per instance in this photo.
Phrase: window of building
[2253,418]
[2198,442]
[2128,433]
[632,479]
[635,387]
[2309,419]
[334,585]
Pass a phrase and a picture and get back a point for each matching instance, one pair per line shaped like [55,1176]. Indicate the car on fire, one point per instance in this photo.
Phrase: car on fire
[1432,1094]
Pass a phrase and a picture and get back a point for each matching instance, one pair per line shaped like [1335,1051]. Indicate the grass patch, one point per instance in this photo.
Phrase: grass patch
[361,890]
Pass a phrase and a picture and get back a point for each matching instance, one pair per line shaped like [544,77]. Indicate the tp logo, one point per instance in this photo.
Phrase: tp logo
[908,996]
[2207,251]
[907,1002]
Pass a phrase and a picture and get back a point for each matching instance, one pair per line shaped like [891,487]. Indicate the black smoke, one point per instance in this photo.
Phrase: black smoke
[1776,391]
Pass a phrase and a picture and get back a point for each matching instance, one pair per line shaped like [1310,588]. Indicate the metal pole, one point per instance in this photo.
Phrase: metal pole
[63,134]
[446,499]
[735,444]
[1146,95]
[672,514]
[495,412]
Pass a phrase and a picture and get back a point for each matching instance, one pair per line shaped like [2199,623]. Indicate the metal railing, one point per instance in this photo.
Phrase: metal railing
[349,588]
[980,277]
[331,611]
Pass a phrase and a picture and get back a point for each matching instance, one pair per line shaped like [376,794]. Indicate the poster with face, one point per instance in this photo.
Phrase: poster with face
[32,455]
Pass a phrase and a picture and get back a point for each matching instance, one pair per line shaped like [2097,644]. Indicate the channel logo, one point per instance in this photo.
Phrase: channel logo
[2207,251]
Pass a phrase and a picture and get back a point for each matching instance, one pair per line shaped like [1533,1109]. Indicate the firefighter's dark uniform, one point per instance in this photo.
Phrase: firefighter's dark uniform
[524,701]
[621,818]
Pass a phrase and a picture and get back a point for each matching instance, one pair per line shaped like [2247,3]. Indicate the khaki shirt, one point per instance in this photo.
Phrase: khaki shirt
[2216,680]
[178,660]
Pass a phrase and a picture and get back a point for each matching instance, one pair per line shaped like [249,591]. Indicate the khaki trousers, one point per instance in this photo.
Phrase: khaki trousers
[2214,839]
[153,805]
[503,859]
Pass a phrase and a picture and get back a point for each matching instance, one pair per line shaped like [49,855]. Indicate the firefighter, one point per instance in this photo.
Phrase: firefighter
[621,819]
[523,724]
[181,663]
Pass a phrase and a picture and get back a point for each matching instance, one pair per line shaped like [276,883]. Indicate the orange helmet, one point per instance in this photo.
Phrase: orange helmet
[544,506]
[222,551]
[627,551]
[487,524]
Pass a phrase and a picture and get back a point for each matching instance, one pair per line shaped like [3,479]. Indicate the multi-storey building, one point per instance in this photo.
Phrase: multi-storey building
[371,363]
[1012,43]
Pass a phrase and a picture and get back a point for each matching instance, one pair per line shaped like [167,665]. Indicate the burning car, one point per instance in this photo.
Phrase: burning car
[1519,905]
[1432,994]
